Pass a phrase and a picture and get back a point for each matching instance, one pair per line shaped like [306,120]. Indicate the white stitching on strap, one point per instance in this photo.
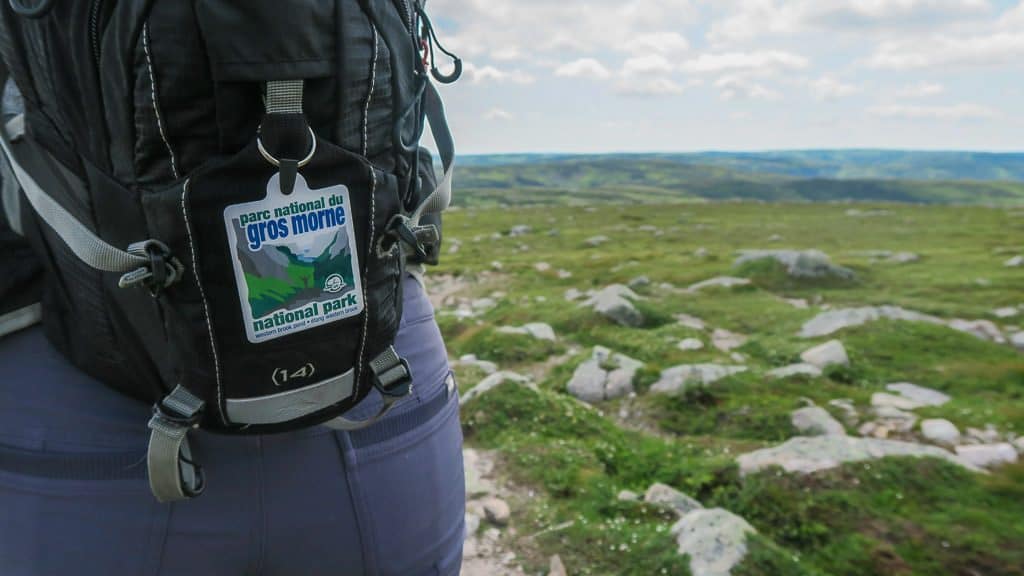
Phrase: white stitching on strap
[366,266]
[369,94]
[156,105]
[206,307]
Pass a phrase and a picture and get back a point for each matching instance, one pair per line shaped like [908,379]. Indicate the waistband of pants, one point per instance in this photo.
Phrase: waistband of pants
[132,465]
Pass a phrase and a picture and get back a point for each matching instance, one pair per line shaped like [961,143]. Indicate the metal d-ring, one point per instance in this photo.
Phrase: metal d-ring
[269,158]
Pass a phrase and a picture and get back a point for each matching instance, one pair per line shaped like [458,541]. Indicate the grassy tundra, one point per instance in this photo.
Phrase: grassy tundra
[568,463]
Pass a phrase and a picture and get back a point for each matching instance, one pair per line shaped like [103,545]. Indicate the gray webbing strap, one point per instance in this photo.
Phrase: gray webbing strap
[284,97]
[10,195]
[87,246]
[291,405]
[172,474]
[441,197]
[20,319]
[389,369]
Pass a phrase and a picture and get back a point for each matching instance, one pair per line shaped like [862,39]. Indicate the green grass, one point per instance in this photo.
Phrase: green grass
[895,517]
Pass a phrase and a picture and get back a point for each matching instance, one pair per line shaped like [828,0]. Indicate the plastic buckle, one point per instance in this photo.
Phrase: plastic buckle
[401,227]
[165,414]
[401,388]
[162,271]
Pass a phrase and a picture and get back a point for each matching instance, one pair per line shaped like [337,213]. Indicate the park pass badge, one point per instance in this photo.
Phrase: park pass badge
[295,259]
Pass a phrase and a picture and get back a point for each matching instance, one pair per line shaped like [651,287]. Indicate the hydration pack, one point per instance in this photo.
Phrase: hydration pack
[224,196]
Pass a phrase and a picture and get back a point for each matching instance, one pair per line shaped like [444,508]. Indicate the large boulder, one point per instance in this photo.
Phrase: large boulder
[816,421]
[616,303]
[799,264]
[668,497]
[715,540]
[828,354]
[677,379]
[603,376]
[807,455]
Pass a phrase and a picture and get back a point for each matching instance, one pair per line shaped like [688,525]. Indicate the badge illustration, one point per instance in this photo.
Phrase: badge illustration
[295,259]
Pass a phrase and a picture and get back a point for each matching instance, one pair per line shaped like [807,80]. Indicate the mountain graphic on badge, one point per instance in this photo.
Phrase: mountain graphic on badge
[287,277]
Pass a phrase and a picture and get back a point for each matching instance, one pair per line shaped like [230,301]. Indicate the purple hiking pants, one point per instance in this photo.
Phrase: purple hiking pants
[74,497]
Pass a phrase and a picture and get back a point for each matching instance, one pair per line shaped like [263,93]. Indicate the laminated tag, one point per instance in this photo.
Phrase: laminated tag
[295,259]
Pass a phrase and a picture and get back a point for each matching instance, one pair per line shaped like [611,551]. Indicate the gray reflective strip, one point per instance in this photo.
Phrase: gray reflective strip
[441,197]
[20,319]
[291,405]
[284,97]
[87,246]
[172,476]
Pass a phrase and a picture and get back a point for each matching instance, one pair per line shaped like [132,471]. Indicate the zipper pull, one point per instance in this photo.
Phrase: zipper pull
[430,38]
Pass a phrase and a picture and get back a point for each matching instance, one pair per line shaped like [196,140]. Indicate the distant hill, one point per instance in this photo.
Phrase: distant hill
[813,176]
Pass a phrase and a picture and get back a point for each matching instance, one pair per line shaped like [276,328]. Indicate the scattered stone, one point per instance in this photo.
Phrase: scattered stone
[1018,341]
[714,539]
[563,274]
[628,496]
[828,354]
[806,455]
[1006,313]
[988,455]
[727,341]
[492,382]
[798,303]
[883,400]
[691,345]
[850,415]
[981,329]
[904,258]
[720,282]
[894,420]
[485,366]
[537,330]
[497,511]
[987,436]
[604,376]
[691,322]
[596,241]
[556,567]
[833,321]
[701,253]
[615,303]
[857,213]
[1019,445]
[573,294]
[472,525]
[497,265]
[542,267]
[816,421]
[775,238]
[939,431]
[809,370]
[668,497]
[640,282]
[920,394]
[1015,262]
[676,380]
[799,264]
[520,230]
[478,467]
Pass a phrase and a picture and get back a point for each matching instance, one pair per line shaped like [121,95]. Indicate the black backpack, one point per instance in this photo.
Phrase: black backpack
[225,196]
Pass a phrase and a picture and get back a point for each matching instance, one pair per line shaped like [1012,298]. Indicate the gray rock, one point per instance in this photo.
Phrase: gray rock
[478,467]
[904,258]
[640,282]
[492,382]
[691,322]
[806,455]
[714,539]
[485,366]
[720,282]
[988,455]
[1018,341]
[691,345]
[537,330]
[981,329]
[833,321]
[520,230]
[883,400]
[604,376]
[828,354]
[798,303]
[1015,262]
[894,420]
[628,496]
[987,436]
[668,497]
[615,303]
[472,525]
[850,415]
[796,370]
[799,264]
[939,431]
[816,421]
[542,267]
[596,241]
[1019,445]
[727,341]
[497,511]
[556,567]
[573,294]
[1005,313]
[920,394]
[677,379]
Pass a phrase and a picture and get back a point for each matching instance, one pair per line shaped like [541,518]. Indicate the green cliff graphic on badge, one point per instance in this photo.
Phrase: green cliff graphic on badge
[295,260]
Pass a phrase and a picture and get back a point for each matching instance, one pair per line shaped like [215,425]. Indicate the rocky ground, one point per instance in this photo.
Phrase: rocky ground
[635,409]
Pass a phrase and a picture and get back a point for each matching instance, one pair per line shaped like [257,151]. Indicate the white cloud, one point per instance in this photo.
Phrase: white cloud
[829,88]
[497,114]
[941,51]
[657,43]
[488,73]
[583,68]
[735,87]
[649,64]
[952,112]
[658,86]
[920,90]
[754,18]
[764,62]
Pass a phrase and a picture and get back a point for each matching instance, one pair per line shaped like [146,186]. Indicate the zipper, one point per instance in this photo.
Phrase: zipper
[95,12]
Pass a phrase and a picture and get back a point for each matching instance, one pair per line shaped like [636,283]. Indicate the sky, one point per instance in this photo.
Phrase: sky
[585,76]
